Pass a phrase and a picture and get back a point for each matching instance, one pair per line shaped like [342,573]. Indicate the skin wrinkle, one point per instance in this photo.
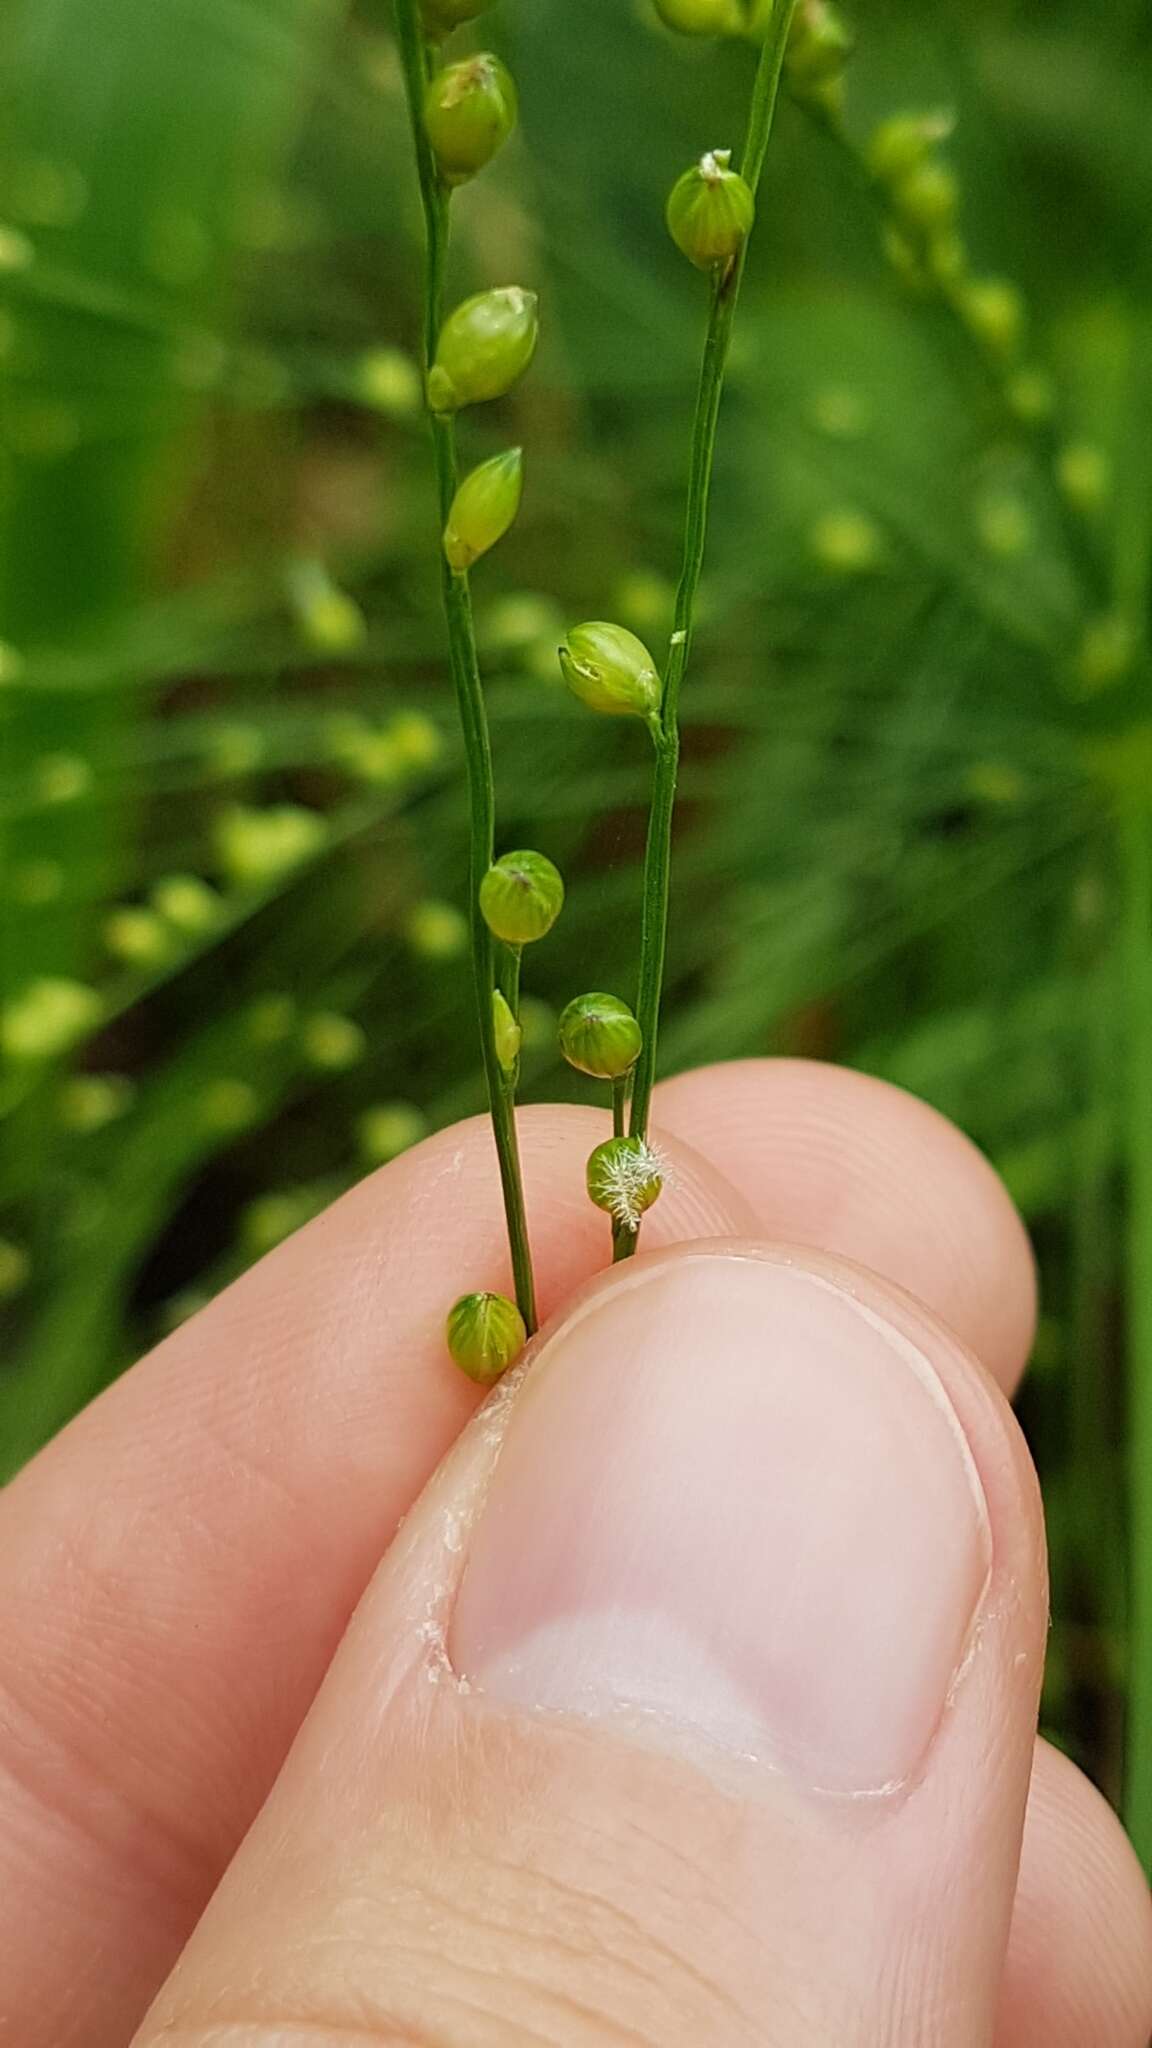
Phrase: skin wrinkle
[608,1851]
[89,1891]
[85,1803]
[543,1940]
[911,2002]
[394,1908]
[665,1961]
[140,1845]
[282,2034]
[299,1570]
[677,1965]
[249,1459]
[748,1926]
[273,1351]
[182,1864]
[348,1296]
[915,1973]
[379,2027]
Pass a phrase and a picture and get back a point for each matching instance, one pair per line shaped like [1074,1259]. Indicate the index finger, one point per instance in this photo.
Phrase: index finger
[177,1569]
[835,1159]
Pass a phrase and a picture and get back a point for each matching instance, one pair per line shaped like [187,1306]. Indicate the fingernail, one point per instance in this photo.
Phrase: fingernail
[736,1502]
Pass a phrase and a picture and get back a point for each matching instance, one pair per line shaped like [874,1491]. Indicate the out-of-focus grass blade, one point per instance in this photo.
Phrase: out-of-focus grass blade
[136,141]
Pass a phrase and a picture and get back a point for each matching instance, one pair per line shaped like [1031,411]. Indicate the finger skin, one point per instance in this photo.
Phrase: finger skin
[173,1582]
[836,1159]
[434,1865]
[176,1571]
[1080,1961]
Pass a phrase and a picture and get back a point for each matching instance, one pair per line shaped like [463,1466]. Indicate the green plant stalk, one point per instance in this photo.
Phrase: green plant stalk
[1136,868]
[619,1105]
[623,1242]
[465,667]
[666,731]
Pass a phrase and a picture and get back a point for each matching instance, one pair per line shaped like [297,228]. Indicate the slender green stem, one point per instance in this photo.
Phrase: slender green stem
[654,919]
[1136,860]
[465,667]
[619,1105]
[658,854]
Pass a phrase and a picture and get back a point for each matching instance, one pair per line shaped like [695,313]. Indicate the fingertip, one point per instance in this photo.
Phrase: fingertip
[855,1166]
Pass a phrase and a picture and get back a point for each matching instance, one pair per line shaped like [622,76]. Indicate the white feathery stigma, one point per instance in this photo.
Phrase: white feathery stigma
[626,1177]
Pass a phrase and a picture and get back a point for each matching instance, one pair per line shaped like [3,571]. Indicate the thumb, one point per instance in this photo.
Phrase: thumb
[694,1703]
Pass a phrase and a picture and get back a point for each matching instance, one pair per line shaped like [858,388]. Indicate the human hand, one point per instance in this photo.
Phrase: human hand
[694,1703]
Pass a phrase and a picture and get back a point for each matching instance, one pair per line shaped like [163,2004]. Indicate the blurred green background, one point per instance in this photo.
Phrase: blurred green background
[918,732]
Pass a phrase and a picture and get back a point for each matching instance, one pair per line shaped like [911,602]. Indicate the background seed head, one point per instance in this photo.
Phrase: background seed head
[993,309]
[701,17]
[819,45]
[928,198]
[903,142]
